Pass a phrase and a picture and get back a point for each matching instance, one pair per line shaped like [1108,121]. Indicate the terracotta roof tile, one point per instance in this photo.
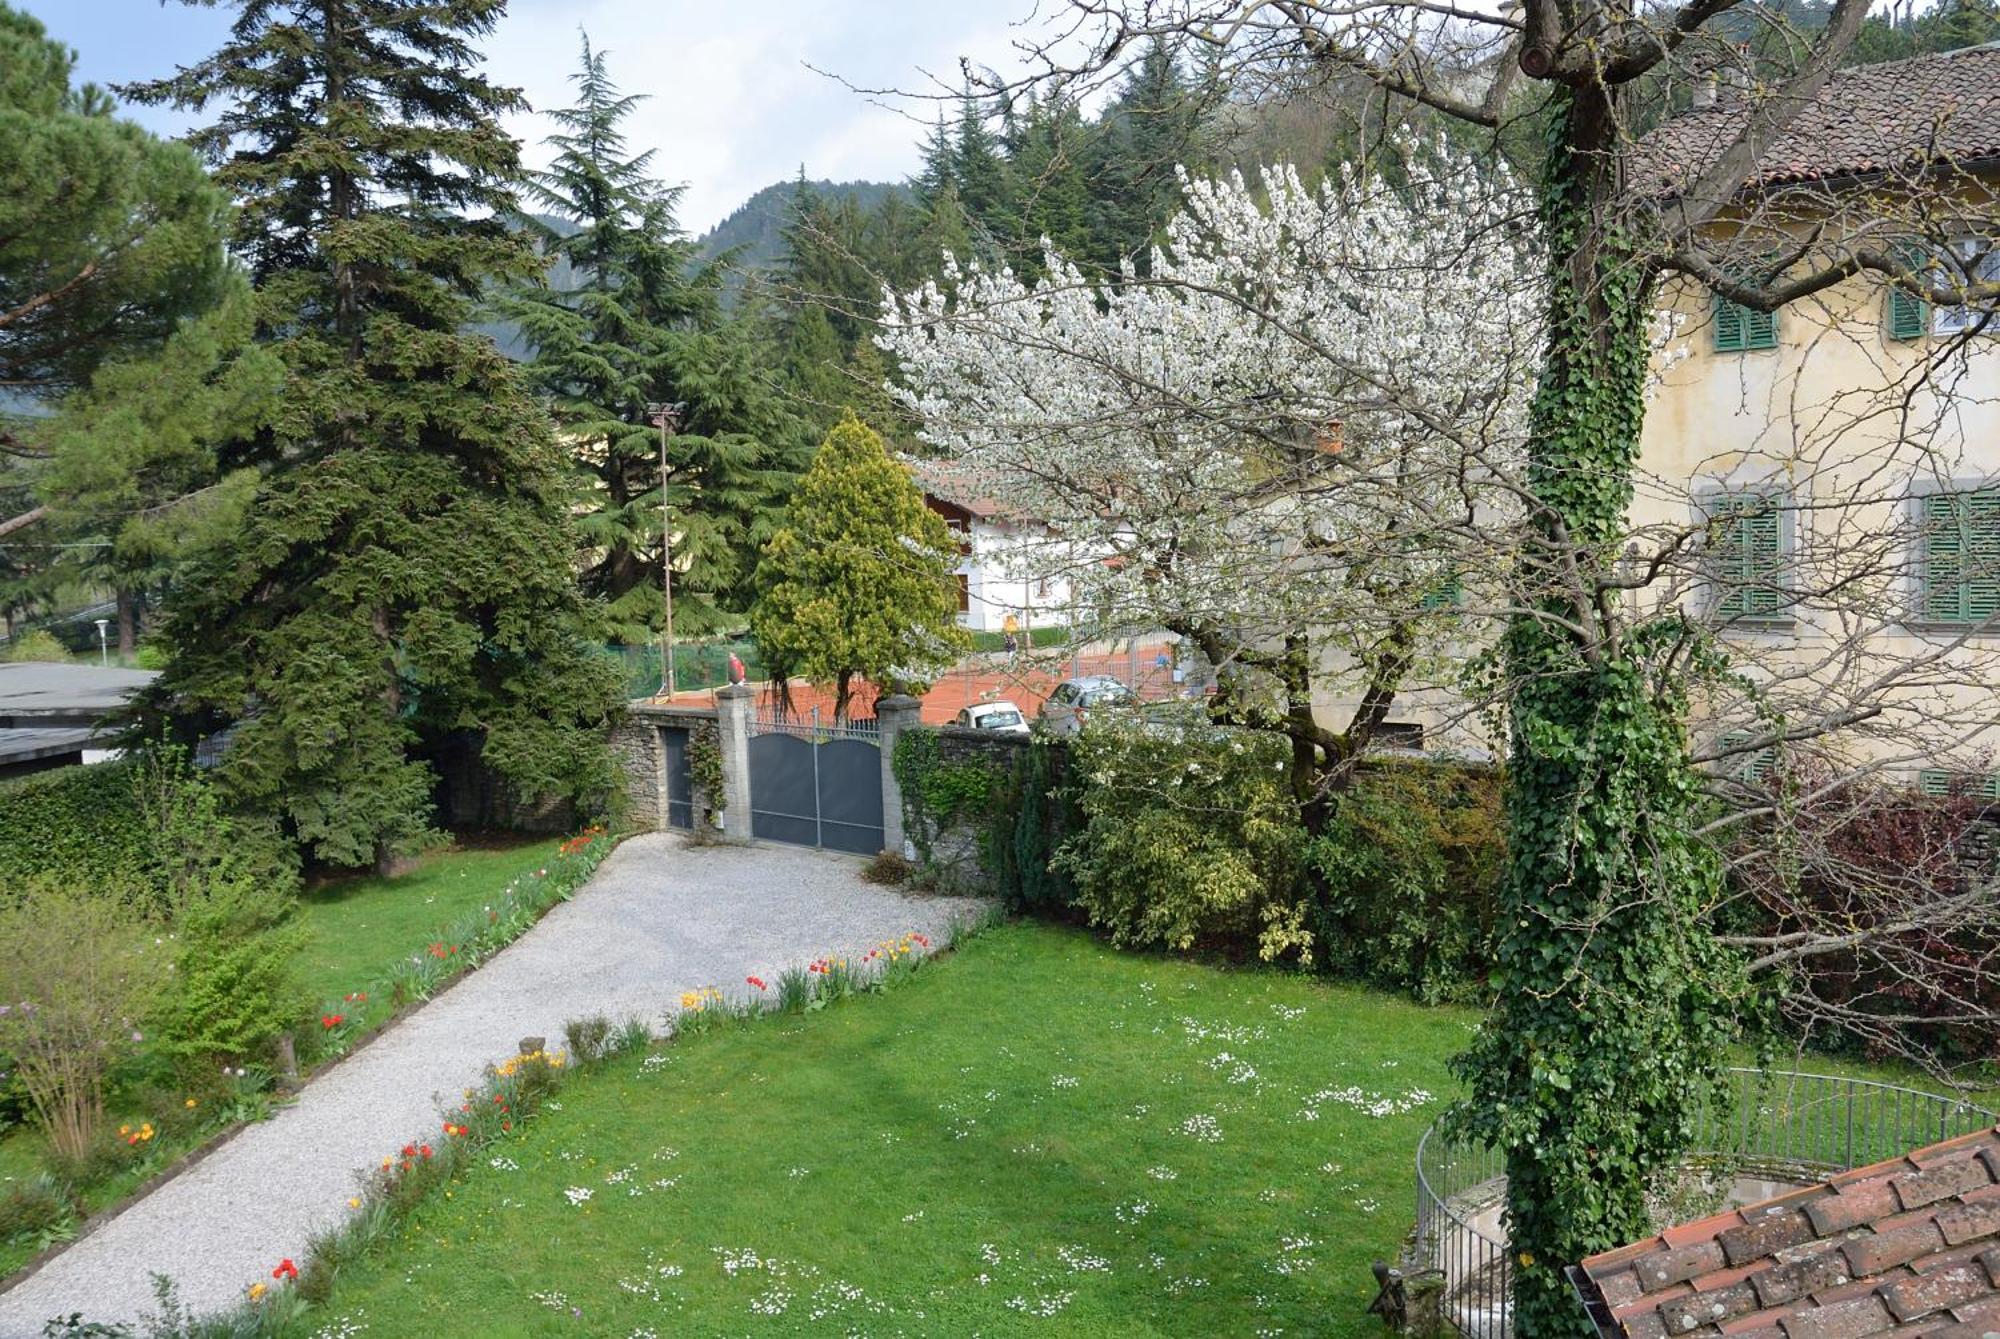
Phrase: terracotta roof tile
[1869,118]
[1908,1247]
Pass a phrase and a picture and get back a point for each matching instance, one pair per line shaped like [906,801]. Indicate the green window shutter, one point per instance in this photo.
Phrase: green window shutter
[1445,595]
[1728,325]
[1748,554]
[1738,327]
[1760,329]
[1961,555]
[1756,765]
[1909,315]
[1978,785]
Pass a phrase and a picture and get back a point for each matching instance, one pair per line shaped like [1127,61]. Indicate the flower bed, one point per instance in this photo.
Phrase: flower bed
[40,1212]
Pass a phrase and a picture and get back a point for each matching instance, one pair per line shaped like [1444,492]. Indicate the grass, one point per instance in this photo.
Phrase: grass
[1038,1135]
[1055,635]
[355,928]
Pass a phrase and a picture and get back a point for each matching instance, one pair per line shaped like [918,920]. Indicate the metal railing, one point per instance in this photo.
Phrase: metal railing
[1774,1126]
[814,728]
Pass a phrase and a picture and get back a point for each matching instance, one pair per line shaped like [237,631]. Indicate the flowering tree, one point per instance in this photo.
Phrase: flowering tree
[1292,442]
[1620,989]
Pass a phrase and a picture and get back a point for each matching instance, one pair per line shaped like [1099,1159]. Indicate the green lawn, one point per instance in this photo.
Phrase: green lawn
[1038,1135]
[356,927]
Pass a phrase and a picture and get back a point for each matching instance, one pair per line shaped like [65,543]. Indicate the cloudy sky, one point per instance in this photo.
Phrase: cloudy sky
[733,107]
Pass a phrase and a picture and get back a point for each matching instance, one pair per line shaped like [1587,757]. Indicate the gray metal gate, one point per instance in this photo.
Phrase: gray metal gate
[680,779]
[816,785]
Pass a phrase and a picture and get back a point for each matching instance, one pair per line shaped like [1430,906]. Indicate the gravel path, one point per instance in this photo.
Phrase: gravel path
[660,917]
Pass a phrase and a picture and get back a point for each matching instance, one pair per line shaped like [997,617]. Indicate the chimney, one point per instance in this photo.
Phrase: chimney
[1704,90]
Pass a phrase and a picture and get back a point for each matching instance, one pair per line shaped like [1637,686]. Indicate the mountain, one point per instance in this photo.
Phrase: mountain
[757,226]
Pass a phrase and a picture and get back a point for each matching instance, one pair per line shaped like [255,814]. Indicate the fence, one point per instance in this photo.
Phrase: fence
[1779,1127]
[697,665]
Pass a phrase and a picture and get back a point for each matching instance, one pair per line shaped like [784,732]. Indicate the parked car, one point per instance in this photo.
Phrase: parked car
[1001,716]
[1074,699]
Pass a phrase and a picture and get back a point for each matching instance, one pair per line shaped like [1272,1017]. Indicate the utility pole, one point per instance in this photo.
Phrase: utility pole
[668,417]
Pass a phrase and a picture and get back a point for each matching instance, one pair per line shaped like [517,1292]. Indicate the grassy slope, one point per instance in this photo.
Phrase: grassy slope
[928,1151]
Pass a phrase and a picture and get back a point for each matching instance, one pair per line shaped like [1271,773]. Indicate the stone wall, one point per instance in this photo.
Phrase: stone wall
[956,861]
[640,748]
[635,742]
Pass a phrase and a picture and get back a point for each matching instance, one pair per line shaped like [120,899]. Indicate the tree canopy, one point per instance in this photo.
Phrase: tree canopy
[642,325]
[400,587]
[858,580]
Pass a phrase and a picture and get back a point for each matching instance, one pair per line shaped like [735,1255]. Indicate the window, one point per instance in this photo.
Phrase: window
[1738,327]
[1742,764]
[1979,261]
[1960,553]
[1978,785]
[1746,554]
[964,593]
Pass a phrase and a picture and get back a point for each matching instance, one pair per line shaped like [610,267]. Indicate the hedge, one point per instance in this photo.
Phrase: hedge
[75,822]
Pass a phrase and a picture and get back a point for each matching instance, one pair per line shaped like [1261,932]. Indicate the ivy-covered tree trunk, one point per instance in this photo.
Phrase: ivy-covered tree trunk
[1609,1031]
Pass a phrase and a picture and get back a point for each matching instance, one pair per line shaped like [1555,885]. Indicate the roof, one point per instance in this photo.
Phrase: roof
[1910,1246]
[19,746]
[1921,112]
[42,690]
[944,481]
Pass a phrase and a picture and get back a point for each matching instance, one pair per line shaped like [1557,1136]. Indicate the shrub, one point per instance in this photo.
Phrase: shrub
[229,889]
[144,827]
[888,867]
[1038,811]
[32,1206]
[1865,854]
[1191,839]
[36,646]
[233,991]
[1408,871]
[79,972]
[75,823]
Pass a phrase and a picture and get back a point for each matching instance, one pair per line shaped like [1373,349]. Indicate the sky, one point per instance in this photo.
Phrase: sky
[733,106]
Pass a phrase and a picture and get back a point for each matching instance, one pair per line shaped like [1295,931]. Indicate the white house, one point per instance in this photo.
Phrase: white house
[1011,564]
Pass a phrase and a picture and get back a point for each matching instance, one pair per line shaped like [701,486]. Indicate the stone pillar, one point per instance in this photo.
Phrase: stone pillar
[894,715]
[732,722]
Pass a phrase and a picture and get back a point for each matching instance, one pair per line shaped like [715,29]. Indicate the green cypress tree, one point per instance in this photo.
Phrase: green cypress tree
[642,325]
[400,587]
[858,581]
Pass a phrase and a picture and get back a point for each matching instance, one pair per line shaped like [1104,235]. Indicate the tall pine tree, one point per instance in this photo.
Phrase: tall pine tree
[401,585]
[643,325]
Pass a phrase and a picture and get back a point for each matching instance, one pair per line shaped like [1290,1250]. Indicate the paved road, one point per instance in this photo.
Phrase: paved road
[660,917]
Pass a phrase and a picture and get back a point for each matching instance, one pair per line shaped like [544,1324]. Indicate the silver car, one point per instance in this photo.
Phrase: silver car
[1070,705]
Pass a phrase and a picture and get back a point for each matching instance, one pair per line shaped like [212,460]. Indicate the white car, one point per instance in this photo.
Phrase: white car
[1001,717]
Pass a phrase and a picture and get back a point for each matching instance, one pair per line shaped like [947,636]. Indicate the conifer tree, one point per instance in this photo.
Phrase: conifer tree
[980,173]
[643,325]
[109,238]
[1049,176]
[1151,125]
[400,587]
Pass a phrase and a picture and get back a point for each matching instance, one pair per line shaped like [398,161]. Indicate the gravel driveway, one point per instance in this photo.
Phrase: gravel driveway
[660,917]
